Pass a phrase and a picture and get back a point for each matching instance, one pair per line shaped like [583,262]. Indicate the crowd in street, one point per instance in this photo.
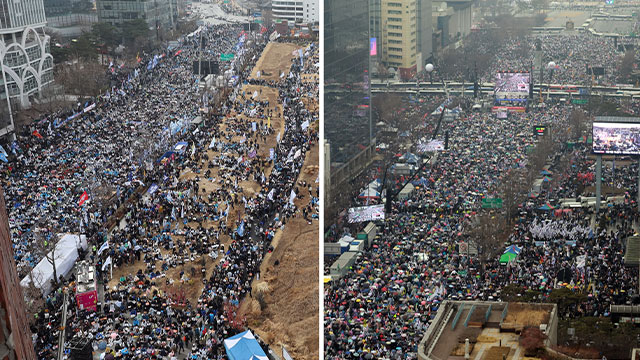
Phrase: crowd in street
[386,301]
[197,212]
[571,53]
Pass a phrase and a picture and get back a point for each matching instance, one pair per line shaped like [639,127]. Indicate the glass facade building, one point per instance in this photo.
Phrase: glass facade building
[154,12]
[346,63]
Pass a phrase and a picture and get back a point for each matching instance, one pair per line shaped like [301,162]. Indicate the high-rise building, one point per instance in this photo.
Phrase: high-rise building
[349,125]
[346,57]
[399,35]
[425,33]
[13,320]
[296,11]
[157,13]
[404,30]
[27,65]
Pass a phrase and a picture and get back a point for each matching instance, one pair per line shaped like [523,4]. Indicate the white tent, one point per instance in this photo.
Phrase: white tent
[66,254]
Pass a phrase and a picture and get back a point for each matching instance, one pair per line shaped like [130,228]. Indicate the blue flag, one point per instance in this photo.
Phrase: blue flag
[240,229]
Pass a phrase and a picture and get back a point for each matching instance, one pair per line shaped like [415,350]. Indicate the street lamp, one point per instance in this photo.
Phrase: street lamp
[429,69]
[551,66]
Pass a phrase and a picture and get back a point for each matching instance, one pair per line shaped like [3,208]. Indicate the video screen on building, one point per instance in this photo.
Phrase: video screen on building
[511,85]
[616,138]
[366,213]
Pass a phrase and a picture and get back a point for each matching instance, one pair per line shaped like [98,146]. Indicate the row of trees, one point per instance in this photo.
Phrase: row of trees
[104,38]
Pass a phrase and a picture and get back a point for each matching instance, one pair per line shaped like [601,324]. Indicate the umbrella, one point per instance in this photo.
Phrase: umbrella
[546,206]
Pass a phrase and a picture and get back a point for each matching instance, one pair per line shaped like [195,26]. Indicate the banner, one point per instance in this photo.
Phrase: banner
[89,108]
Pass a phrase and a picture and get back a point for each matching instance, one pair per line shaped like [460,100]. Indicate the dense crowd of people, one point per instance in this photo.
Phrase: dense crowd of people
[572,54]
[197,211]
[386,301]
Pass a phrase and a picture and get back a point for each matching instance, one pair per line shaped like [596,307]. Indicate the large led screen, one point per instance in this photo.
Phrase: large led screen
[616,138]
[511,85]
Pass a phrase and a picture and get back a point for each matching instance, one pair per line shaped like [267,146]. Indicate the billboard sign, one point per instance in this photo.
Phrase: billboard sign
[616,138]
[373,48]
[365,213]
[540,130]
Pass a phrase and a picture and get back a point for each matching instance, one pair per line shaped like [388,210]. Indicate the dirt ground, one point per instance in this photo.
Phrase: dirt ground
[291,314]
[276,58]
[526,315]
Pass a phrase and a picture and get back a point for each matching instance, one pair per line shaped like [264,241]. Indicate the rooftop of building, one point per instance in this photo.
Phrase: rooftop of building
[493,329]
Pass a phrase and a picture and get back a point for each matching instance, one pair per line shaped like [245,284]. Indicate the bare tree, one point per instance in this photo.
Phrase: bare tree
[625,67]
[83,78]
[387,105]
[44,245]
[33,298]
[578,123]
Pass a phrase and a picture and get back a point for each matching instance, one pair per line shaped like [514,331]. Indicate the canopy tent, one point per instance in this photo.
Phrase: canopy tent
[546,206]
[66,254]
[545,172]
[244,346]
[369,193]
[507,258]
[409,157]
[513,249]
[178,148]
[546,179]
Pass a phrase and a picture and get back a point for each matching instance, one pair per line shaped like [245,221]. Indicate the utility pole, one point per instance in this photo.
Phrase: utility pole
[61,337]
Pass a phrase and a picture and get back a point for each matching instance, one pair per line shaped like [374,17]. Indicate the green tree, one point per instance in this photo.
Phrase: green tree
[84,47]
[565,299]
[135,29]
[107,34]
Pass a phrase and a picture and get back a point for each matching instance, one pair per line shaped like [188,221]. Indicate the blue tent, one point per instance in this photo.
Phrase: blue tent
[513,249]
[410,158]
[244,346]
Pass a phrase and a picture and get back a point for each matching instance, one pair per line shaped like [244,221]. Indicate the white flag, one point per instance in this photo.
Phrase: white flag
[305,125]
[104,266]
[292,197]
[270,196]
[104,247]
[278,138]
